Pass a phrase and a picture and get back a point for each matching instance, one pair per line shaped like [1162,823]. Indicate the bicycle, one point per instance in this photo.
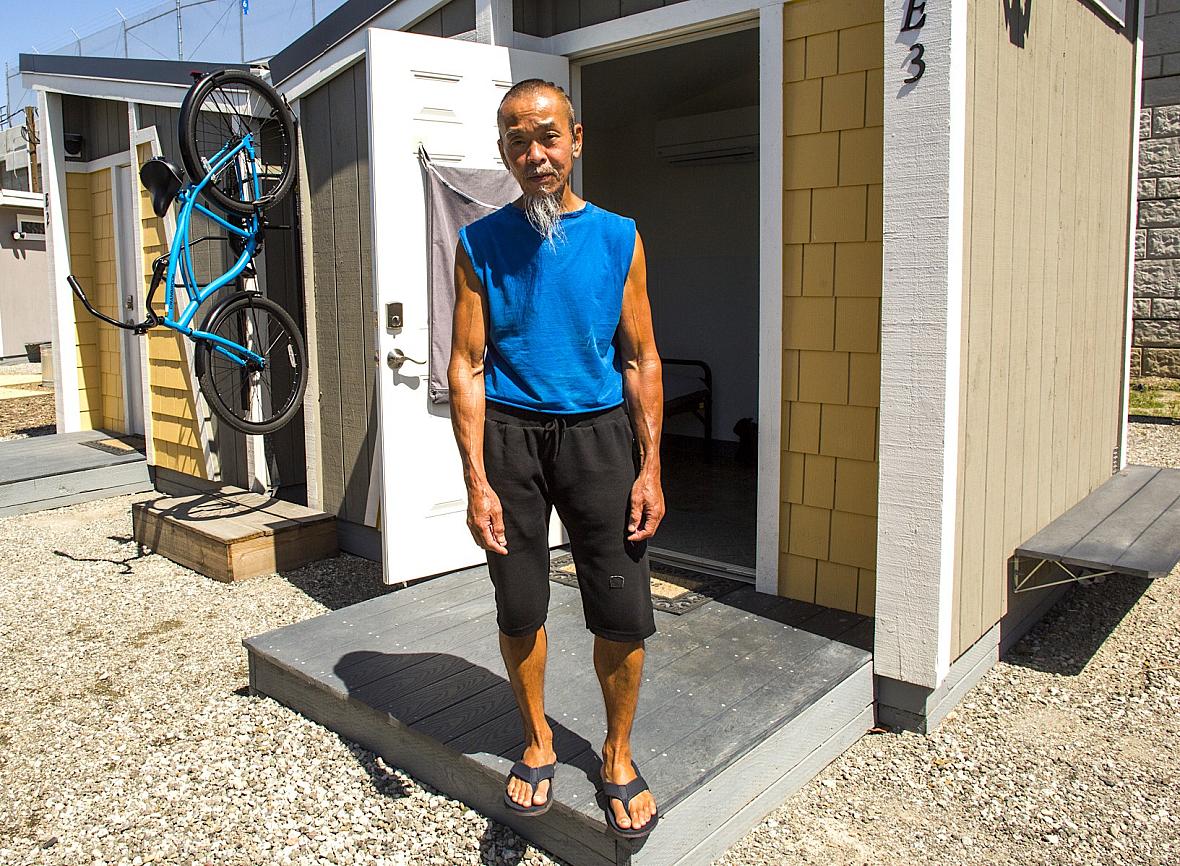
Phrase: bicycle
[237,142]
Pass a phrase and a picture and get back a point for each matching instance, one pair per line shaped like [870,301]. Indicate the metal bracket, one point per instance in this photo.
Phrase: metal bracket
[1020,583]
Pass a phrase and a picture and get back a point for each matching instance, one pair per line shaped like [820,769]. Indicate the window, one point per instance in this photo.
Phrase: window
[32,229]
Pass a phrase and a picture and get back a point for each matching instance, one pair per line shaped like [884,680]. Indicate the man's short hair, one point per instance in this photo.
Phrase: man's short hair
[531,86]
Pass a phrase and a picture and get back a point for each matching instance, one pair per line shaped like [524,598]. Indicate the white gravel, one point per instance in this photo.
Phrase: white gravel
[127,736]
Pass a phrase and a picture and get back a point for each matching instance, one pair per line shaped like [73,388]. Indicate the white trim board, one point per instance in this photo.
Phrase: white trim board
[770,293]
[921,325]
[1132,225]
[148,93]
[57,233]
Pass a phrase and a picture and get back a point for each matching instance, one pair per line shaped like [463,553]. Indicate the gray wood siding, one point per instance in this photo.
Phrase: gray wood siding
[102,123]
[335,133]
[456,17]
[547,17]
[1046,244]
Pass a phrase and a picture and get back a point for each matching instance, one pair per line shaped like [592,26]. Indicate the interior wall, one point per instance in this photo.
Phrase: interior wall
[699,224]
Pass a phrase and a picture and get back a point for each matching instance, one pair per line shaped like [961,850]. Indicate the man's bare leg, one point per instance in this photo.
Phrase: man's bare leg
[524,657]
[619,665]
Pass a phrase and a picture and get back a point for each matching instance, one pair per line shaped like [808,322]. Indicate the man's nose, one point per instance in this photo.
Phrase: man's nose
[536,154]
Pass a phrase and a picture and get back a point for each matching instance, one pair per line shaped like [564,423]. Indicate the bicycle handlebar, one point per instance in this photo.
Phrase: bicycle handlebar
[138,327]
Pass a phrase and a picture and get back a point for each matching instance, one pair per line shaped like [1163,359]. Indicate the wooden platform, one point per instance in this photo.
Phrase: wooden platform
[1129,525]
[43,472]
[232,534]
[743,701]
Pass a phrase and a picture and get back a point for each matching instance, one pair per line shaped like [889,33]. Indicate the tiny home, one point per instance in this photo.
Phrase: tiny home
[101,119]
[869,222]
[24,285]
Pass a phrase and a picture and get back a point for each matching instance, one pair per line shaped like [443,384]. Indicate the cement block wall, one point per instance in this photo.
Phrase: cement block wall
[1156,332]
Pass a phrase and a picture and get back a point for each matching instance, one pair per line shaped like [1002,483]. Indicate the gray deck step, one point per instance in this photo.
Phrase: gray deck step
[51,471]
[742,703]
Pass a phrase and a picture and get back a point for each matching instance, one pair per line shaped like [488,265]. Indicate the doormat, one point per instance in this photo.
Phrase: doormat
[673,590]
[119,445]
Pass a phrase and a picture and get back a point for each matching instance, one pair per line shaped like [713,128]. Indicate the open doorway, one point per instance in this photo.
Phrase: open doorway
[672,141]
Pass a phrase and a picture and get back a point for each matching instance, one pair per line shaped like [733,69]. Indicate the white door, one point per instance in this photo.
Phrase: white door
[441,94]
[130,293]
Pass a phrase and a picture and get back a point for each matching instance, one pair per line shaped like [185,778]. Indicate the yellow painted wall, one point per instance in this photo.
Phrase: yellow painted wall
[833,154]
[175,429]
[92,261]
[1044,285]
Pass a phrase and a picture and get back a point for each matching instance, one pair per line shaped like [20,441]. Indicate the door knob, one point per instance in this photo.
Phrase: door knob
[397,357]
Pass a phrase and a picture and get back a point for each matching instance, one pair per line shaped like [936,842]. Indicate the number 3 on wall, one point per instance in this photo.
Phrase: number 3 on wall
[916,62]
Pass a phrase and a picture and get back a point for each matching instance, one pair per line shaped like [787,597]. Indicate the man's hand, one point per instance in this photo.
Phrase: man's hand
[485,519]
[647,507]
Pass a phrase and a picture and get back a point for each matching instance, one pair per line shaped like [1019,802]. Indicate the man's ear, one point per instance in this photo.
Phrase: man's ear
[500,147]
[577,149]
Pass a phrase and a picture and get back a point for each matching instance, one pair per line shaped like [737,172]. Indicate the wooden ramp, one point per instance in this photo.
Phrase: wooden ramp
[64,468]
[744,700]
[1130,525]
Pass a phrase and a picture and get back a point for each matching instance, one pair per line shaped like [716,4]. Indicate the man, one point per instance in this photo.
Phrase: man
[557,400]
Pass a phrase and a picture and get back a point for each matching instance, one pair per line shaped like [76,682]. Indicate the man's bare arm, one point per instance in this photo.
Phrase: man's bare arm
[485,518]
[643,389]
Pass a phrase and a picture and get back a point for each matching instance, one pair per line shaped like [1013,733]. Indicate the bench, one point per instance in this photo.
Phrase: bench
[1130,525]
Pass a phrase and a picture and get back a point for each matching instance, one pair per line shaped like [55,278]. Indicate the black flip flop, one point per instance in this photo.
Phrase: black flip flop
[625,794]
[534,776]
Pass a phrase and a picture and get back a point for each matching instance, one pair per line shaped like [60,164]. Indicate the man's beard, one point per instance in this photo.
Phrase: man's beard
[544,213]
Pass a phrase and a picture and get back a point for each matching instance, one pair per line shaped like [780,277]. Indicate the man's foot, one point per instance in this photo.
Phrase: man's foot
[618,769]
[520,791]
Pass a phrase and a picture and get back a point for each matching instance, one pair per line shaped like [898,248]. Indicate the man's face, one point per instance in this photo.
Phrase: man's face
[536,142]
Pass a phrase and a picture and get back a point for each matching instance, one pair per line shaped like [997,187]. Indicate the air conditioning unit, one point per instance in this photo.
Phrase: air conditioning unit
[709,139]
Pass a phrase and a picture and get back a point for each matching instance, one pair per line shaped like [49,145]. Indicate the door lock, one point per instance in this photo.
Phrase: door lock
[393,316]
[397,357]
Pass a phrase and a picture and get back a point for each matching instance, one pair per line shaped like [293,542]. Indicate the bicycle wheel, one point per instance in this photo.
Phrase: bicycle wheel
[217,113]
[255,398]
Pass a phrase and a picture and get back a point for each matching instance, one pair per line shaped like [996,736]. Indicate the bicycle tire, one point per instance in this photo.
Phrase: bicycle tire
[221,380]
[213,96]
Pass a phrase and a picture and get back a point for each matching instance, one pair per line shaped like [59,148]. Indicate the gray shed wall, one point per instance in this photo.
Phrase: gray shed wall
[334,121]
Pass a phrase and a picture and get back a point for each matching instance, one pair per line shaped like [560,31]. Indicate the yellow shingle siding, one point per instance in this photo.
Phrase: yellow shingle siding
[832,175]
[92,261]
[175,429]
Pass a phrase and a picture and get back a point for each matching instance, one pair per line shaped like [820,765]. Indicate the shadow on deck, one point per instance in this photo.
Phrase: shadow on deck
[744,700]
[65,468]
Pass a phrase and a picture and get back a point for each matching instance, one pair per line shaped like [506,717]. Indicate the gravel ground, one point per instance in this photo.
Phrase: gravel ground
[128,735]
[21,417]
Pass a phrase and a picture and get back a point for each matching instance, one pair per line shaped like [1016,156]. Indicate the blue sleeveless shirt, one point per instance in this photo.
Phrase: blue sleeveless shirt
[552,313]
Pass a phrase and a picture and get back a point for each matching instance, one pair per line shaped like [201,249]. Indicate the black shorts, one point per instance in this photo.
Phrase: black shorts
[584,466]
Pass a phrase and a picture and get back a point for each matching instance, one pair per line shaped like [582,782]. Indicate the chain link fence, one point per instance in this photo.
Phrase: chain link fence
[211,31]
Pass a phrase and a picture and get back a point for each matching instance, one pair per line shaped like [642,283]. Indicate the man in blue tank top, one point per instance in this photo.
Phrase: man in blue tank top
[557,402]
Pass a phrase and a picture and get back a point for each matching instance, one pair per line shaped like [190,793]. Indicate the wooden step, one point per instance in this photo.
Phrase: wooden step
[232,534]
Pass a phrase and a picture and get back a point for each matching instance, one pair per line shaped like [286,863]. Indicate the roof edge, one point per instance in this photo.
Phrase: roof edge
[120,68]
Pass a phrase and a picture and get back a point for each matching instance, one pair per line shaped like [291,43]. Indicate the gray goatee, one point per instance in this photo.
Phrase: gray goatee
[544,213]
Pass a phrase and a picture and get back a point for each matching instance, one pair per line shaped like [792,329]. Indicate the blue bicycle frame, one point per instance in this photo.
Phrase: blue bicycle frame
[180,256]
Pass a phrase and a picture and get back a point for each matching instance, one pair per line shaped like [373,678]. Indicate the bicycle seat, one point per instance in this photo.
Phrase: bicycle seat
[162,179]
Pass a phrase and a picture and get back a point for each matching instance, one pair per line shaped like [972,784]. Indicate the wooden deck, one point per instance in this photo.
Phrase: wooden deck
[744,700]
[61,469]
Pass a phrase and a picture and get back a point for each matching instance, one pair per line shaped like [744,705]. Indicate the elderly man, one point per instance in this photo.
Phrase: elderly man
[557,401]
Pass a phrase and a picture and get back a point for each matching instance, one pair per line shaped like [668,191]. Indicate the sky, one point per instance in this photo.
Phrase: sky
[212,32]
